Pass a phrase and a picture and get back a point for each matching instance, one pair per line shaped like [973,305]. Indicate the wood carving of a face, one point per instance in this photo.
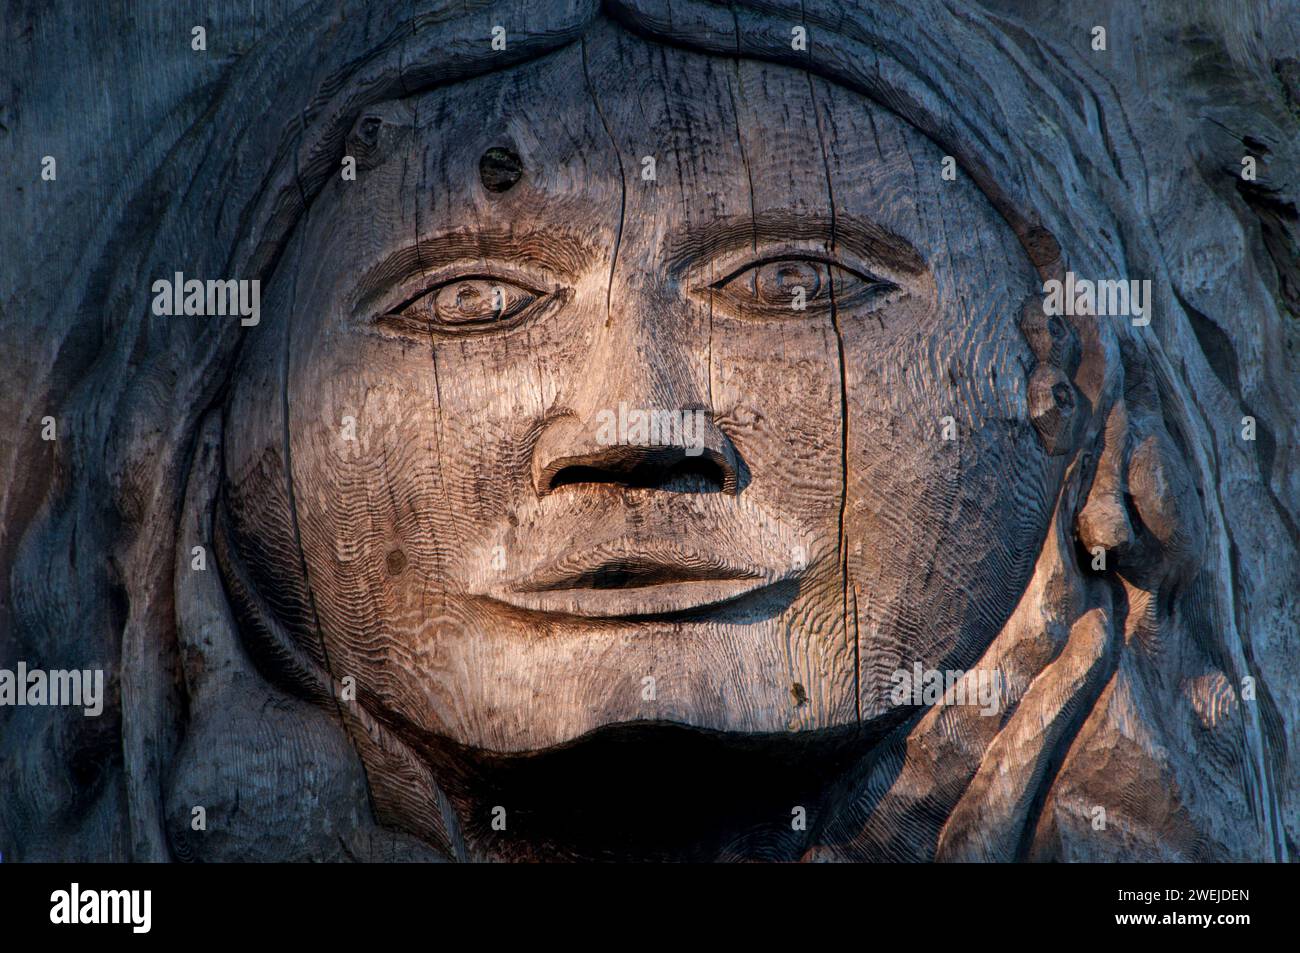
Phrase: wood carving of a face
[448,385]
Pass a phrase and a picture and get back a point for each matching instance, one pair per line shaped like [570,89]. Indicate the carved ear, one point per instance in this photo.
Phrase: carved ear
[247,741]
[1054,402]
[1142,510]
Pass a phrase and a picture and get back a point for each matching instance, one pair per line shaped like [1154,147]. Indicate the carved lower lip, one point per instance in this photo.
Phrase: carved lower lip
[660,598]
[635,576]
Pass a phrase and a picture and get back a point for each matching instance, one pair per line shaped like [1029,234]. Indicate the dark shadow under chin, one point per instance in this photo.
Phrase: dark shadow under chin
[657,791]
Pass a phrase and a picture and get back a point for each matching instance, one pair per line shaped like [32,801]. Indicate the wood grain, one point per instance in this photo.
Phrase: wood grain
[435,587]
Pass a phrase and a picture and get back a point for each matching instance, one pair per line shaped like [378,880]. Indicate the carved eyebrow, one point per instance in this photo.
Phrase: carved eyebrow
[860,235]
[563,254]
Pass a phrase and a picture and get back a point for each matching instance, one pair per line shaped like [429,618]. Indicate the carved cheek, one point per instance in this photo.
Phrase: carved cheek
[950,488]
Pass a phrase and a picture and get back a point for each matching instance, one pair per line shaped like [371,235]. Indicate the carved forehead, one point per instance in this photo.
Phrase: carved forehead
[722,138]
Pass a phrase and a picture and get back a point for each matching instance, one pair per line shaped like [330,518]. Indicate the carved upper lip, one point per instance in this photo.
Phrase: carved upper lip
[627,577]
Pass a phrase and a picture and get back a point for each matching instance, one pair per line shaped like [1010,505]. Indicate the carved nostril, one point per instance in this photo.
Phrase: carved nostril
[570,453]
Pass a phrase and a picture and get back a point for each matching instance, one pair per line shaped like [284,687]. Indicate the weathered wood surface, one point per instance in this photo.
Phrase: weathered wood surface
[435,588]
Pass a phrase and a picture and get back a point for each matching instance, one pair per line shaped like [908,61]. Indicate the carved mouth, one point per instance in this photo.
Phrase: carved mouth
[634,578]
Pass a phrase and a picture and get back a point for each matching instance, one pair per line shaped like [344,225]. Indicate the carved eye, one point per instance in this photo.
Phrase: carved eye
[789,287]
[464,304]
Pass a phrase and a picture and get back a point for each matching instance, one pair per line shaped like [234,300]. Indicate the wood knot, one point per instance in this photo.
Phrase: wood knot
[396,562]
[499,169]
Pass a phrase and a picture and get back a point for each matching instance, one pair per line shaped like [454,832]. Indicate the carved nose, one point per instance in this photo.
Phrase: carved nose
[571,453]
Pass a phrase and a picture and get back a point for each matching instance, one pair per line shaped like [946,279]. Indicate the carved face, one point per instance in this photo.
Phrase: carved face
[577,450]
